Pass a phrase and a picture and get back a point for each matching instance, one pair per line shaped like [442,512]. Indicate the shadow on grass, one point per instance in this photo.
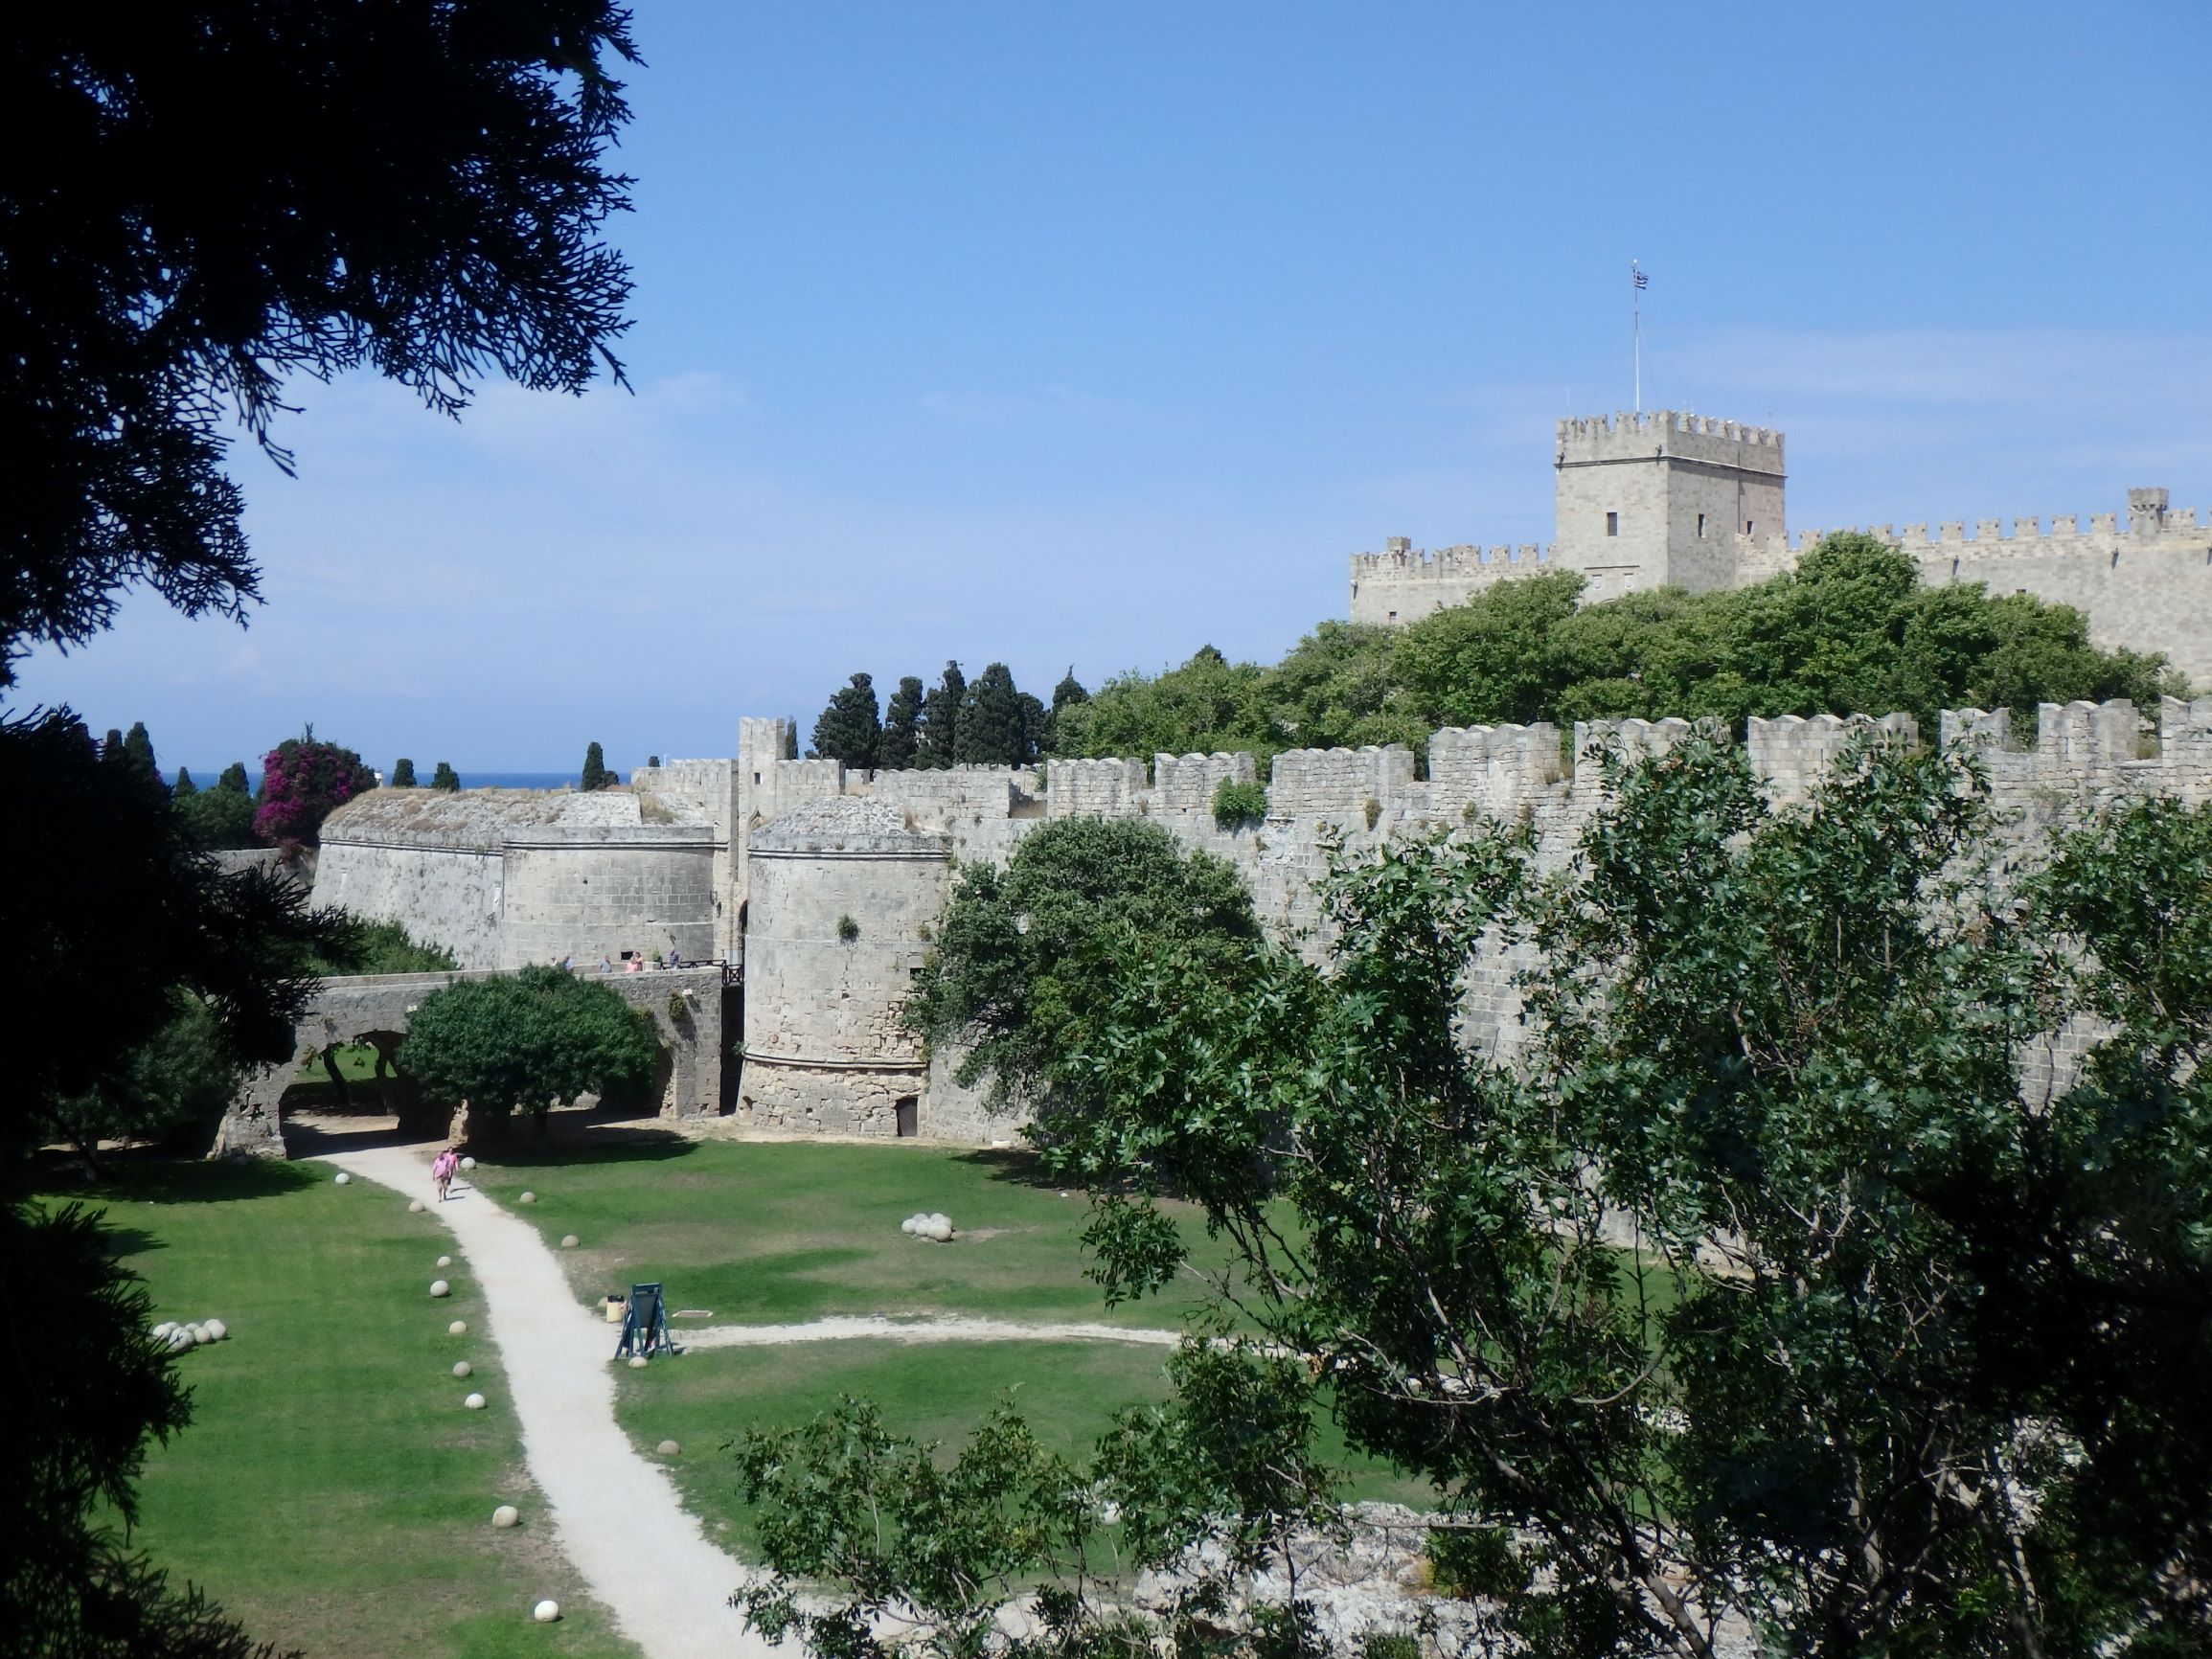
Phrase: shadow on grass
[574,1140]
[1016,1165]
[178,1181]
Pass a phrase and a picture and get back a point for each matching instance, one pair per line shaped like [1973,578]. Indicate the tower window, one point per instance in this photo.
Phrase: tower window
[1701,527]
[1746,526]
[1612,524]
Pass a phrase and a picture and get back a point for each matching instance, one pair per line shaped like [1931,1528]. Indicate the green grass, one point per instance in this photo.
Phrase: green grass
[356,1063]
[330,1492]
[766,1233]
[772,1233]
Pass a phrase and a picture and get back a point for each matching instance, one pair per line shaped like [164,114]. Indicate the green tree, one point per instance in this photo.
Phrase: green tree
[233,779]
[381,947]
[997,724]
[937,741]
[1904,1348]
[402,774]
[184,788]
[443,777]
[1208,703]
[901,726]
[527,1041]
[1026,954]
[180,1080]
[150,306]
[595,776]
[850,729]
[215,820]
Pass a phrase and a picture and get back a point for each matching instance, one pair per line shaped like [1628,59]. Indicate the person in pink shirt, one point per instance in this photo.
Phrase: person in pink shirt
[442,1169]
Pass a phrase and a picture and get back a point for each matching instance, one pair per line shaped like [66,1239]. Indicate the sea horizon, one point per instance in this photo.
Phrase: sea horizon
[469,780]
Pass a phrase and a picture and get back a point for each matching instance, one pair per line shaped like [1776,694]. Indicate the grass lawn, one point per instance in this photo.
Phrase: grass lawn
[330,1492]
[766,1233]
[770,1233]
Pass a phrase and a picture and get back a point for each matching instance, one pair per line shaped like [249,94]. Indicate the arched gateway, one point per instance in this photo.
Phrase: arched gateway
[686,1006]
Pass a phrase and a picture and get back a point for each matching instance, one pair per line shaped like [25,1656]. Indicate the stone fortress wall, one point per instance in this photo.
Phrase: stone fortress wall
[1698,503]
[836,881]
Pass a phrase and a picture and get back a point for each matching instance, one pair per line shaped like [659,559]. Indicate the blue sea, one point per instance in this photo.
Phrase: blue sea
[468,779]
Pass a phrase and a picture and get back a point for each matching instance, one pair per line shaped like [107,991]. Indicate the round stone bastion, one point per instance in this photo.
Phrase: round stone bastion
[841,897]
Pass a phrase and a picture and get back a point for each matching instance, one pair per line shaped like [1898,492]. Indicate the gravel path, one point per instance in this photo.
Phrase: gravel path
[947,1329]
[615,1515]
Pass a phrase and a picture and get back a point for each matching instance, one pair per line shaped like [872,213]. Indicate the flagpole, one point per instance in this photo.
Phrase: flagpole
[1636,326]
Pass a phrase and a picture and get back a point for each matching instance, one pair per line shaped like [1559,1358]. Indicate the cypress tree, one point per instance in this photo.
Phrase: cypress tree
[184,788]
[993,725]
[138,750]
[937,744]
[1067,695]
[445,776]
[850,729]
[901,726]
[791,741]
[233,779]
[402,772]
[596,776]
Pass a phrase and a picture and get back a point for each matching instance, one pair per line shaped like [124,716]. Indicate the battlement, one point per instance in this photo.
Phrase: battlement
[1669,434]
[1401,561]
[2024,534]
[1338,782]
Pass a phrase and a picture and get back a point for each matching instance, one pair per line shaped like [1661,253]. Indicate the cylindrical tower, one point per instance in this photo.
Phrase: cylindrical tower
[841,897]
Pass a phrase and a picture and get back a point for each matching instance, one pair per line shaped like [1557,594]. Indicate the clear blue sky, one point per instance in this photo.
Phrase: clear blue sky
[1091,333]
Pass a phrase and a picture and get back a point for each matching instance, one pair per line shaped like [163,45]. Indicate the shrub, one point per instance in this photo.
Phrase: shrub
[848,929]
[1236,804]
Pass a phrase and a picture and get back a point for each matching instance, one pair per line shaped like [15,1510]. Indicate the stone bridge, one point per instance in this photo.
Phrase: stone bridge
[686,1005]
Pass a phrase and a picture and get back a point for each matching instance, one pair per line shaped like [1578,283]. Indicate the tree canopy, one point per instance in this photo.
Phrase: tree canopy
[595,774]
[402,772]
[850,729]
[443,777]
[899,743]
[1852,630]
[1025,954]
[527,1041]
[304,780]
[220,200]
[936,740]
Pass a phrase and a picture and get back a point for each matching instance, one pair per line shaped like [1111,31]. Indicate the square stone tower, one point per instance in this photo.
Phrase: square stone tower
[1659,498]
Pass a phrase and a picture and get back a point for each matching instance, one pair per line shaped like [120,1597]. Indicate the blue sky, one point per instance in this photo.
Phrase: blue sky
[1091,333]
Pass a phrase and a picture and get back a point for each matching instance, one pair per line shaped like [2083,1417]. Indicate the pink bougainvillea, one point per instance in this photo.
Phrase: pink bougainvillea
[303,779]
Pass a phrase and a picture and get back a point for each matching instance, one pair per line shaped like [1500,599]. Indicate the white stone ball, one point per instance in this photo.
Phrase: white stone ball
[569,1240]
[941,1232]
[179,1341]
[438,1287]
[637,1362]
[668,1448]
[506,1515]
[475,1403]
[908,1225]
[341,1179]
[527,1198]
[200,1333]
[545,1612]
[937,1219]
[468,1163]
[457,1327]
[163,1330]
[216,1330]
[444,1260]
[462,1368]
[414,1206]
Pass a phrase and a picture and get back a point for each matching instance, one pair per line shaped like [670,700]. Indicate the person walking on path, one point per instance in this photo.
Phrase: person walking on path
[441,1170]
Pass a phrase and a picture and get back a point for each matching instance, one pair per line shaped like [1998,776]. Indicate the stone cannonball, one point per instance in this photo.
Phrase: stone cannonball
[341,1179]
[637,1362]
[668,1448]
[179,1341]
[468,1163]
[908,1226]
[506,1515]
[462,1368]
[569,1241]
[216,1330]
[545,1612]
[438,1287]
[414,1206]
[444,1260]
[200,1333]
[527,1198]
[163,1332]
[940,1231]
[458,1328]
[475,1403]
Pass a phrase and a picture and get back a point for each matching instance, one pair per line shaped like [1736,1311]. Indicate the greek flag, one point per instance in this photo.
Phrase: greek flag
[1642,278]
